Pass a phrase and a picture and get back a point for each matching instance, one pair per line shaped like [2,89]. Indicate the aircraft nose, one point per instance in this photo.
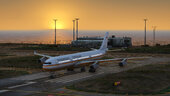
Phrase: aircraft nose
[46,67]
[49,67]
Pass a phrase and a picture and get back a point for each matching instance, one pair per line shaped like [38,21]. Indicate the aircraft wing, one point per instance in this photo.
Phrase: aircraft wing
[120,59]
[116,50]
[109,60]
[35,53]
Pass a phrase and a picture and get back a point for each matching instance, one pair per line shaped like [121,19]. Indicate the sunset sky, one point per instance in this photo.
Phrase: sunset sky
[93,14]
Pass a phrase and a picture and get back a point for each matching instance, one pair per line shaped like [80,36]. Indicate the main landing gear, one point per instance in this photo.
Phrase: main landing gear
[83,69]
[92,70]
[70,69]
[93,67]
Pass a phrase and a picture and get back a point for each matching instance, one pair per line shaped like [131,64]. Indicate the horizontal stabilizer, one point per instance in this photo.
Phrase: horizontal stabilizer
[35,53]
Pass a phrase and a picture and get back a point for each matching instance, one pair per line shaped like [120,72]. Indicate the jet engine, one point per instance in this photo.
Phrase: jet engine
[42,60]
[123,62]
[93,67]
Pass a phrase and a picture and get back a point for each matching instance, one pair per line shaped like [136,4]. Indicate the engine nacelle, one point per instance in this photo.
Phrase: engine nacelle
[42,60]
[93,67]
[123,62]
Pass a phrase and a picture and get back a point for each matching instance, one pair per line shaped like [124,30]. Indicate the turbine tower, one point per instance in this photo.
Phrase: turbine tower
[73,30]
[76,27]
[145,32]
[55,31]
[154,29]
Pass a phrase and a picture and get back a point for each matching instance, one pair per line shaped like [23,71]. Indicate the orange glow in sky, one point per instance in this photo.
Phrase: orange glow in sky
[59,25]
[93,14]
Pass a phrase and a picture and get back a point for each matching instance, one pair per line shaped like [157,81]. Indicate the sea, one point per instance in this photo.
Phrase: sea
[66,36]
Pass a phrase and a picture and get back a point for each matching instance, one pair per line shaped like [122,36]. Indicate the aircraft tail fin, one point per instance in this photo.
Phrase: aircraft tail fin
[104,43]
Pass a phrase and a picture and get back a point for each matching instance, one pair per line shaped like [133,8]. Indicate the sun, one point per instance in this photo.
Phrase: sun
[59,25]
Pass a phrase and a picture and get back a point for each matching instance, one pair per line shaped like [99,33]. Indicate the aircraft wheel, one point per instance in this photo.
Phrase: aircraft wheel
[92,70]
[52,77]
[120,64]
[83,69]
[70,69]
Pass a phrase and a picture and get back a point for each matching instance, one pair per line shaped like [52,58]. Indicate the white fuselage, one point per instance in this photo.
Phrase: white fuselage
[72,60]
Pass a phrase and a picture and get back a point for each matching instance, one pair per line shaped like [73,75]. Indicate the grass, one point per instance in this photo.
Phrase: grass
[5,44]
[153,49]
[164,49]
[106,57]
[21,62]
[11,73]
[3,54]
[49,47]
[150,79]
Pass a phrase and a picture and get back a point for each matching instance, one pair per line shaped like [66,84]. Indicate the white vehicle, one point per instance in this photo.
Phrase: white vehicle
[81,59]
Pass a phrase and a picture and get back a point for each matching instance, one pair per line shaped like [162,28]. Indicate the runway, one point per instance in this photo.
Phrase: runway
[40,85]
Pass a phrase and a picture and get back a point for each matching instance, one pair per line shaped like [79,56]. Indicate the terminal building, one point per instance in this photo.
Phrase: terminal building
[95,42]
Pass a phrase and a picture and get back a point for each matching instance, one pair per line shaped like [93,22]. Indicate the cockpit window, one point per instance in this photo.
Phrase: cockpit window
[47,63]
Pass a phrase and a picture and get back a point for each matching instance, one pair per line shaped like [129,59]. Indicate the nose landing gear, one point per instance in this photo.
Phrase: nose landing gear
[52,75]
[83,69]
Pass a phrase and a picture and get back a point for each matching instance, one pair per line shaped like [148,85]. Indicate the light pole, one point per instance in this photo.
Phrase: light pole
[73,30]
[55,31]
[76,27]
[154,29]
[145,32]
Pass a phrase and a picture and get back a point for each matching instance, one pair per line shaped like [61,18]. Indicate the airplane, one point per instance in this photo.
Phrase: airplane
[78,60]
